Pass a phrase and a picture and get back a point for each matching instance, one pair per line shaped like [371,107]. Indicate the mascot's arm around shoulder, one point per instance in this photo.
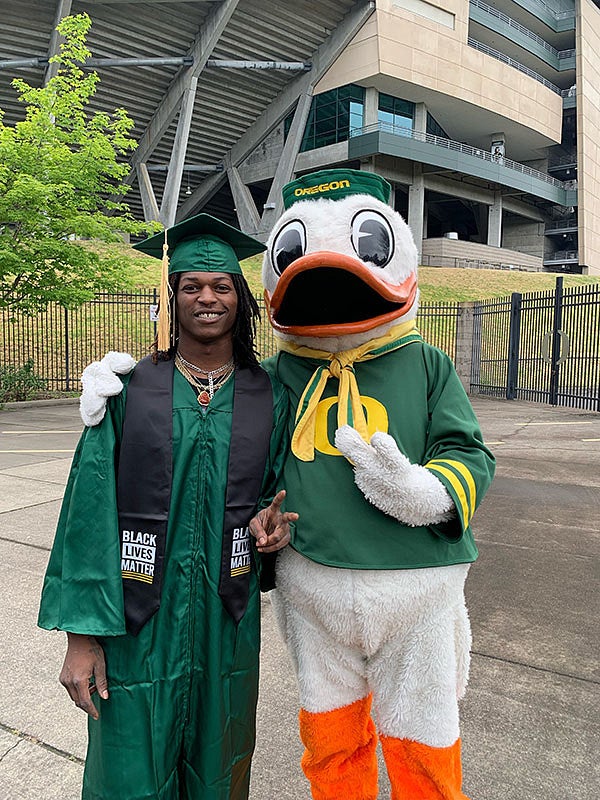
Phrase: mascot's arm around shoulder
[457,467]
[100,381]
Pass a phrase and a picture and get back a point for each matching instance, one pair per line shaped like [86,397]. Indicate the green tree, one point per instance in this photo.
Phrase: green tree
[60,169]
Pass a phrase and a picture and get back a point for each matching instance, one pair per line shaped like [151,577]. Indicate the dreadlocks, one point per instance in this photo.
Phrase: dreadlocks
[244,329]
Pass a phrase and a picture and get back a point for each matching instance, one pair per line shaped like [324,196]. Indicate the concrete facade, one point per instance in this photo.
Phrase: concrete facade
[588,125]
[455,253]
[483,114]
[502,145]
[427,58]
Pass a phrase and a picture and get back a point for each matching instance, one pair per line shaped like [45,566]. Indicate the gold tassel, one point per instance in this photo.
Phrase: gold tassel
[164,308]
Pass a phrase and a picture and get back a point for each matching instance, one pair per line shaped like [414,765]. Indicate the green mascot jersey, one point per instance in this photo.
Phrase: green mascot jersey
[415,395]
[180,719]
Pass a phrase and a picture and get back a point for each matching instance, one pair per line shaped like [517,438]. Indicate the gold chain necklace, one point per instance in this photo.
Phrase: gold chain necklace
[205,390]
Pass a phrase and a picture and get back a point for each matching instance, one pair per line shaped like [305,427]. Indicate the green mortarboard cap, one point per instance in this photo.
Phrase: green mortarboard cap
[335,184]
[202,244]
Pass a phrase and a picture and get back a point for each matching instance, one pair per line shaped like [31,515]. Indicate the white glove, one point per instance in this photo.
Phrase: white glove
[100,381]
[408,492]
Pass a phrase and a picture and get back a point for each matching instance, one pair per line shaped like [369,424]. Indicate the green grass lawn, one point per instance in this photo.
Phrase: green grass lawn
[437,284]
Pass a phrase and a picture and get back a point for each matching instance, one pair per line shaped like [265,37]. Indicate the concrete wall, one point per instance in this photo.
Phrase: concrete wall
[457,253]
[256,170]
[588,126]
[526,237]
[428,56]
[269,149]
[464,343]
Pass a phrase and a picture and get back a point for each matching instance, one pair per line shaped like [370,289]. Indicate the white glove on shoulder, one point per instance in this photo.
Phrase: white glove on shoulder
[100,381]
[408,492]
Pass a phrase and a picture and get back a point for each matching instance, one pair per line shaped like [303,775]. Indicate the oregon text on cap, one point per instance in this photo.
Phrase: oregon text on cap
[322,187]
[335,184]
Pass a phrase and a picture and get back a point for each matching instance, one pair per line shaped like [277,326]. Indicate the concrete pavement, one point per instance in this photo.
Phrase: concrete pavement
[530,718]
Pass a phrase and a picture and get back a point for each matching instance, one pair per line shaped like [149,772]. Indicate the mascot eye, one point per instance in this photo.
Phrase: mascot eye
[372,238]
[288,245]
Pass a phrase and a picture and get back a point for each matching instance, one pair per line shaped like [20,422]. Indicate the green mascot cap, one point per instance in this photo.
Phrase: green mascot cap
[335,184]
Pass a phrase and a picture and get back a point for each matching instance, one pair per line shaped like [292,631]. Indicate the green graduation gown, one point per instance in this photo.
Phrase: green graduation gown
[180,720]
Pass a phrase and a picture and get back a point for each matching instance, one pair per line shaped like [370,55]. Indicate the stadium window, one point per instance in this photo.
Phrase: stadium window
[435,128]
[393,112]
[333,115]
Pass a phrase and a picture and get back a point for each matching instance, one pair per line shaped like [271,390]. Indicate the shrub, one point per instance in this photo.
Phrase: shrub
[20,383]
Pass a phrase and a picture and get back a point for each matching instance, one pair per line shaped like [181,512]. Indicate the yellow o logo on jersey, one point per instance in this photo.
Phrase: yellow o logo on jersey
[377,420]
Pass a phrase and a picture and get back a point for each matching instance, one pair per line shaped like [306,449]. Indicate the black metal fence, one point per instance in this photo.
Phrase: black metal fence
[438,324]
[61,342]
[542,346]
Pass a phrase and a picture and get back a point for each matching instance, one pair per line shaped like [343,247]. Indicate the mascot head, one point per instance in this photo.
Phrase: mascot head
[341,265]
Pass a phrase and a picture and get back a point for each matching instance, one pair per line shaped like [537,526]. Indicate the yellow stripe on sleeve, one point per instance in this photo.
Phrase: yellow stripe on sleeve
[456,484]
[467,476]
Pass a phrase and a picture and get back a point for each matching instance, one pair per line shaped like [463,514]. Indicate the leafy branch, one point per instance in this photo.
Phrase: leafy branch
[60,169]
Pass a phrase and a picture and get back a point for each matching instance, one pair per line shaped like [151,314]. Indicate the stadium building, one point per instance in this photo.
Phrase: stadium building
[484,116]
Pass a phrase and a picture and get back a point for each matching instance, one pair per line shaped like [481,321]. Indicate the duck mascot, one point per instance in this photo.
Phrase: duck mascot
[386,468]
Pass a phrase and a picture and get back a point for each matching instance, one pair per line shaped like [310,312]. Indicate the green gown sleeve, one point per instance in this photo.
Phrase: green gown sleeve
[82,591]
[455,451]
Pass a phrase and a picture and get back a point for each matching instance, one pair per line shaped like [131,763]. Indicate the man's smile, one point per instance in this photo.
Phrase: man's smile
[208,315]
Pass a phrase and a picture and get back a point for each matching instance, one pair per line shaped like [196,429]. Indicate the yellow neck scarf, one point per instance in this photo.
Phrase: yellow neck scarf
[340,366]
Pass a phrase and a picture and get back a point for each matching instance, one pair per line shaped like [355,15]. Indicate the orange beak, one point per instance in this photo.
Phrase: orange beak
[331,294]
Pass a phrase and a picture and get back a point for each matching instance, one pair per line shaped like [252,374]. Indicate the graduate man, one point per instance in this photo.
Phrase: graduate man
[152,574]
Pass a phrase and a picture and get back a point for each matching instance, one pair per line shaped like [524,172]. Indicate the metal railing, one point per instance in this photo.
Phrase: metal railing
[459,147]
[59,343]
[559,225]
[561,256]
[542,346]
[490,51]
[493,12]
[553,11]
[437,323]
[455,262]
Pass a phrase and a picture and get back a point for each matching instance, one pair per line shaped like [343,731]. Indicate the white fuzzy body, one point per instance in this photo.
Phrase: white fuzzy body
[402,635]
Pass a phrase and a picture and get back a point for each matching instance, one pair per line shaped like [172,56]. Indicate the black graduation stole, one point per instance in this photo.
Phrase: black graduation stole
[145,478]
[251,428]
[144,488]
